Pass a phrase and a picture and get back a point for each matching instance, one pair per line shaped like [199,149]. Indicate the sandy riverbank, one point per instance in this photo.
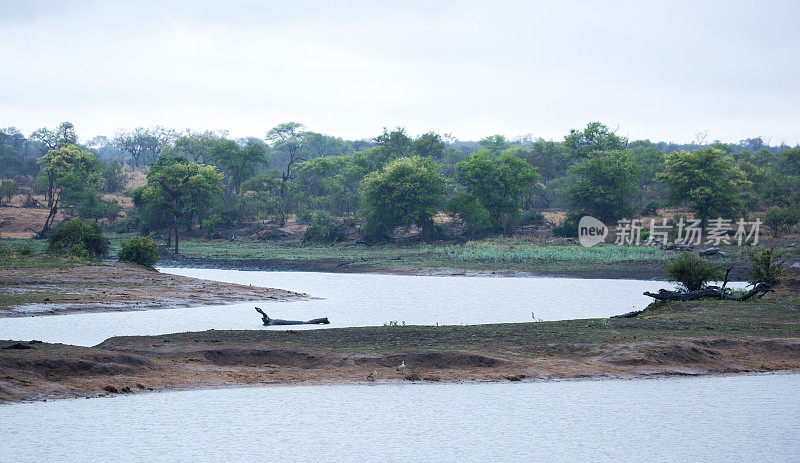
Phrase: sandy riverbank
[106,287]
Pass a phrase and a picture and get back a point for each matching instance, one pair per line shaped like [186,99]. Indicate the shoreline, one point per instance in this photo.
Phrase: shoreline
[390,382]
[634,270]
[116,287]
[519,352]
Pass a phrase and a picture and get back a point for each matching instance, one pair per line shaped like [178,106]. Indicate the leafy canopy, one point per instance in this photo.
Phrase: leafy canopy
[408,191]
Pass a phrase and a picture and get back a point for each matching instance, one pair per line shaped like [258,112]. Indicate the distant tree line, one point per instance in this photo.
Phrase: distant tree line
[208,183]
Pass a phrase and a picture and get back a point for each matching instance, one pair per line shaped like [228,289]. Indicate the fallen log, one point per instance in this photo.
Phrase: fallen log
[276,321]
[758,290]
[632,314]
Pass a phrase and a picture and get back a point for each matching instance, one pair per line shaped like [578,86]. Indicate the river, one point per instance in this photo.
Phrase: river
[355,300]
[712,419]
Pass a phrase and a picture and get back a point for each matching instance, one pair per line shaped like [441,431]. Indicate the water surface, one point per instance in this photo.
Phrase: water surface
[712,419]
[355,300]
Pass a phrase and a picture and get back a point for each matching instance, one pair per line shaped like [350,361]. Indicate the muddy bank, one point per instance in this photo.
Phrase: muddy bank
[38,371]
[31,291]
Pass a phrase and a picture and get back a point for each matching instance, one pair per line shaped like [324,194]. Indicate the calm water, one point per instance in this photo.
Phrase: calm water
[723,419]
[355,300]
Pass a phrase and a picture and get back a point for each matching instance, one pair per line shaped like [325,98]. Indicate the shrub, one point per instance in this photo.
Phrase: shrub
[324,228]
[468,209]
[781,220]
[139,250]
[762,268]
[534,218]
[24,250]
[568,228]
[79,239]
[691,271]
[4,250]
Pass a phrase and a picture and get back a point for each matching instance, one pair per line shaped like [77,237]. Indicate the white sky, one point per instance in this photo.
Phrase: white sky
[658,70]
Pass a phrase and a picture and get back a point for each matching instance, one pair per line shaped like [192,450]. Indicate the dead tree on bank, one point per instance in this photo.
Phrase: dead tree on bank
[275,321]
[759,290]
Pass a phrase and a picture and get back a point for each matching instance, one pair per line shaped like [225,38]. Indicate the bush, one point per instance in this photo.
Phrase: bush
[781,220]
[691,271]
[324,228]
[4,250]
[24,250]
[762,268]
[468,209]
[139,250]
[568,228]
[534,218]
[78,239]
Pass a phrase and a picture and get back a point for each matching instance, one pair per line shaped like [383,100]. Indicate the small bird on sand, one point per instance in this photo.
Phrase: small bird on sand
[372,375]
[402,366]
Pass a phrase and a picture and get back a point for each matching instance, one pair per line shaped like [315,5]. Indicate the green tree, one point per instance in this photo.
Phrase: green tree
[407,191]
[781,220]
[289,140]
[64,134]
[179,192]
[69,176]
[330,183]
[194,146]
[595,138]
[605,185]
[429,144]
[497,183]
[706,179]
[8,188]
[239,163]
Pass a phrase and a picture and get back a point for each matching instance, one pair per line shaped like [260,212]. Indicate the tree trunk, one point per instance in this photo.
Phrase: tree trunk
[664,295]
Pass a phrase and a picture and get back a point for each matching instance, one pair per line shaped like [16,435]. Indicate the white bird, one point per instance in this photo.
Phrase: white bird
[372,375]
[402,366]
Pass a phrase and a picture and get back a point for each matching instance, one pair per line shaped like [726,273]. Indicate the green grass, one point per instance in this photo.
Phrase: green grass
[514,254]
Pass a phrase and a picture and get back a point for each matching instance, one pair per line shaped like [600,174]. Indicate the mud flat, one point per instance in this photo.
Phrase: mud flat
[49,290]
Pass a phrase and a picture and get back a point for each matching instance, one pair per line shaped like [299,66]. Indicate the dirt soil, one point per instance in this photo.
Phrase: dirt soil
[38,371]
[29,291]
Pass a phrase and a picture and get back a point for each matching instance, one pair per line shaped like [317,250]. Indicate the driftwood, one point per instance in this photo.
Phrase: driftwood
[632,314]
[275,321]
[663,295]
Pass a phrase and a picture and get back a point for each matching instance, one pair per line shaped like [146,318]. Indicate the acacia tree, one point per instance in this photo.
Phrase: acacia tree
[178,190]
[706,179]
[143,144]
[64,134]
[408,191]
[68,174]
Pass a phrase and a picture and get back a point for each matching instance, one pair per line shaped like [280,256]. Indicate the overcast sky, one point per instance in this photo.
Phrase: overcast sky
[658,70]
